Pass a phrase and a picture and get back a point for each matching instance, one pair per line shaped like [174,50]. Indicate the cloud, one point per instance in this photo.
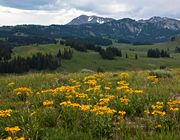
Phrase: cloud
[62,11]
[25,4]
[14,16]
[100,7]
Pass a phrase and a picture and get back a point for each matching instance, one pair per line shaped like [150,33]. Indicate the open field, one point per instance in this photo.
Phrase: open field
[92,60]
[112,105]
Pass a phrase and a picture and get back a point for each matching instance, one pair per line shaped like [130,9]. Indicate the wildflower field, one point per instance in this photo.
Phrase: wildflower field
[81,106]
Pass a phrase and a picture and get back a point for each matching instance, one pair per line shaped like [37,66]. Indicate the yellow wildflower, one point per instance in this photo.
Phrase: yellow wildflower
[122,113]
[8,138]
[13,130]
[159,103]
[48,103]
[157,107]
[11,84]
[22,90]
[81,95]
[75,105]
[21,138]
[130,90]
[124,75]
[147,112]
[158,126]
[5,113]
[138,91]
[175,102]
[69,96]
[102,110]
[91,82]
[103,101]
[160,113]
[33,113]
[65,103]
[124,100]
[122,83]
[107,88]
[152,79]
[175,109]
[85,107]
[122,88]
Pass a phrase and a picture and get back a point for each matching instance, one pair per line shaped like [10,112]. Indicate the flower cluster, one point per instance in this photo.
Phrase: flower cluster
[124,100]
[101,110]
[124,75]
[124,87]
[22,90]
[110,99]
[5,113]
[12,130]
[11,84]
[10,138]
[156,110]
[47,103]
[153,79]
[173,105]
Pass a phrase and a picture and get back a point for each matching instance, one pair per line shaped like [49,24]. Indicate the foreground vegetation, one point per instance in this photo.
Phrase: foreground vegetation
[118,105]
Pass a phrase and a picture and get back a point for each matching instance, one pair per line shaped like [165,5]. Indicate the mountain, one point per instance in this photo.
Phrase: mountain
[83,19]
[164,22]
[153,30]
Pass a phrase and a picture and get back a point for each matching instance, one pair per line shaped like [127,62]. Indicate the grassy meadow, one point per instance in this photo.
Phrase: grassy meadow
[132,99]
[81,106]
[92,60]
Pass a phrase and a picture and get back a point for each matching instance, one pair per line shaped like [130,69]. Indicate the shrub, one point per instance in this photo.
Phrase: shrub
[163,67]
[161,74]
[100,69]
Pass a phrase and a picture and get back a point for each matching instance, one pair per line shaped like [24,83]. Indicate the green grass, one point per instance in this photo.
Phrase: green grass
[30,50]
[92,60]
[56,122]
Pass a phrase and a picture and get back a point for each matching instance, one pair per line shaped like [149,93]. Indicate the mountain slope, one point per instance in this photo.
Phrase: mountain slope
[163,22]
[83,19]
[153,30]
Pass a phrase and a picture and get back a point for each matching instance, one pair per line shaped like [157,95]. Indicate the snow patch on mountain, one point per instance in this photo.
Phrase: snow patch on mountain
[83,19]
[100,21]
[90,19]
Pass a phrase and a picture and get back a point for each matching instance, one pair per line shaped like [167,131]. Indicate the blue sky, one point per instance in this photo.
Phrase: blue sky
[46,12]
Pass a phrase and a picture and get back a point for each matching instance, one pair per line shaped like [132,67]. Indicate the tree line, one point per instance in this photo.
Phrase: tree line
[84,45]
[5,50]
[110,53]
[28,40]
[37,61]
[156,53]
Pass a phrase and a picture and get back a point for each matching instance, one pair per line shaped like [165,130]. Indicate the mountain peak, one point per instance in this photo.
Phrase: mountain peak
[84,19]
[157,19]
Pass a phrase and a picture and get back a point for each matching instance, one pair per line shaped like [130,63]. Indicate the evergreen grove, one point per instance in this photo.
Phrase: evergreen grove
[156,53]
[38,61]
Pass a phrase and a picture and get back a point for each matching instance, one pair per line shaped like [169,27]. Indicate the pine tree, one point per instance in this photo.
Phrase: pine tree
[136,56]
[126,55]
[59,54]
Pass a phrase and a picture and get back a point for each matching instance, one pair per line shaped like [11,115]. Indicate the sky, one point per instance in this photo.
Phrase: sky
[46,12]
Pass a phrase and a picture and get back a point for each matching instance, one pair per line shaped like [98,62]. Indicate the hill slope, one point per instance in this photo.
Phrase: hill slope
[92,60]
